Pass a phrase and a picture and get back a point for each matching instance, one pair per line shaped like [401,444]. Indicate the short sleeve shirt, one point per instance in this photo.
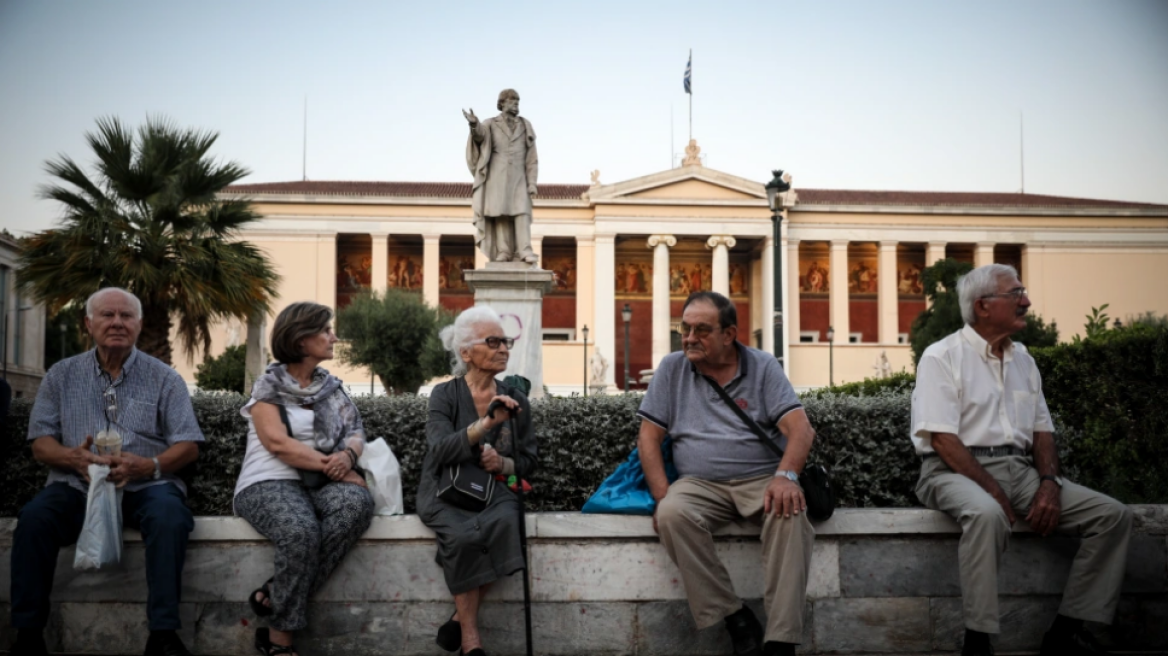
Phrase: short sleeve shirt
[710,441]
[153,412]
[963,389]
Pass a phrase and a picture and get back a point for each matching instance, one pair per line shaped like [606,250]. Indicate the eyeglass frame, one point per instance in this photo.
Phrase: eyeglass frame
[700,331]
[509,342]
[1017,293]
[110,396]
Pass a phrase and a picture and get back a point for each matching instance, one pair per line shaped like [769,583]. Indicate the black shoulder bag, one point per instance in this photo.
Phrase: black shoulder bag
[816,484]
[312,479]
[466,484]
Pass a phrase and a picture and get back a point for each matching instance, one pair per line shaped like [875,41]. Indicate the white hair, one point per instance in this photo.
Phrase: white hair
[980,282]
[89,302]
[460,335]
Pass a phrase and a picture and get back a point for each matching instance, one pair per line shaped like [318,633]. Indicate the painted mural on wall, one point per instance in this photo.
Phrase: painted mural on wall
[634,277]
[814,278]
[450,268]
[862,278]
[908,278]
[563,270]
[405,272]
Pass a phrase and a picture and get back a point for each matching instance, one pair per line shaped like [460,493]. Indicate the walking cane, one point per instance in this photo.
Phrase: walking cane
[526,565]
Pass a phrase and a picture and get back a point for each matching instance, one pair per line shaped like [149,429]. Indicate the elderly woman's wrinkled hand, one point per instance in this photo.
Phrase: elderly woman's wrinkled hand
[510,404]
[491,461]
[337,465]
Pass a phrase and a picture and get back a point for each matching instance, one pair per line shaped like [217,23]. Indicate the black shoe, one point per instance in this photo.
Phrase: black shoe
[29,642]
[450,635]
[1075,643]
[165,643]
[746,633]
[778,649]
[263,644]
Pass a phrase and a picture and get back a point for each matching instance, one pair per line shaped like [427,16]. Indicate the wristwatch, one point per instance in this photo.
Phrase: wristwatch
[787,474]
[157,469]
[1057,479]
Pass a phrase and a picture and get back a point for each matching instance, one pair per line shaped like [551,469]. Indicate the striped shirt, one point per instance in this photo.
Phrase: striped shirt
[153,412]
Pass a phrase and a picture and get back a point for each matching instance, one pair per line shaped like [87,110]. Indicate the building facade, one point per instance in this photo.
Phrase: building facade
[848,260]
[22,340]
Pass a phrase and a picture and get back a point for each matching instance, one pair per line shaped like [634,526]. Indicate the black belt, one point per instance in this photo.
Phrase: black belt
[989,452]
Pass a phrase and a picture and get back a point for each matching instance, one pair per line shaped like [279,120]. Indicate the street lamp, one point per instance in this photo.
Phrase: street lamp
[776,186]
[585,360]
[1118,324]
[627,315]
[63,330]
[831,356]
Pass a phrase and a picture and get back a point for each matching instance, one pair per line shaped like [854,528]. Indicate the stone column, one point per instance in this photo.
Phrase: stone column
[768,294]
[661,245]
[934,252]
[537,248]
[1034,275]
[839,317]
[256,360]
[721,245]
[585,286]
[887,301]
[379,242]
[480,258]
[792,320]
[604,311]
[326,270]
[984,254]
[430,281]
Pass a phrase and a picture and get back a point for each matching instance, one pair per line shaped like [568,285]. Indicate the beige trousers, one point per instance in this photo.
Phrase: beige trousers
[687,518]
[1092,591]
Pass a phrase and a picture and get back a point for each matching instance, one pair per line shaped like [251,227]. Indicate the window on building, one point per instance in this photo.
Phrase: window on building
[559,334]
[855,338]
[808,336]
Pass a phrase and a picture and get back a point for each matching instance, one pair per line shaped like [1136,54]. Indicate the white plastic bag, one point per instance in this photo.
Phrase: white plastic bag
[383,476]
[100,542]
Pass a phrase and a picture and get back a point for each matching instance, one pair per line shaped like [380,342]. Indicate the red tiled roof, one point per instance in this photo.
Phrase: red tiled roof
[955,198]
[400,189]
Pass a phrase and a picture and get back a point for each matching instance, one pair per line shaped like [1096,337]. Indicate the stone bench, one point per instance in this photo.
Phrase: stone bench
[882,580]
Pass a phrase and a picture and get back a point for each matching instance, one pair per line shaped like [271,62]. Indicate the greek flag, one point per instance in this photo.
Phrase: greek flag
[688,74]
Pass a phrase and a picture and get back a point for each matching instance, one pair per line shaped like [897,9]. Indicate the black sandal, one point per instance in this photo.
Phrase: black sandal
[263,644]
[450,635]
[257,605]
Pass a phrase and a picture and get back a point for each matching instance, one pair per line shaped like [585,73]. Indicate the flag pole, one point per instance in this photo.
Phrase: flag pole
[691,94]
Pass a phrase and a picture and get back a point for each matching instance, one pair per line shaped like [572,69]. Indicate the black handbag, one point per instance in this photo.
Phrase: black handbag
[467,486]
[815,481]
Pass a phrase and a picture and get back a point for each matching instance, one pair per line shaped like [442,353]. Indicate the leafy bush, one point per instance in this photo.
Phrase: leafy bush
[901,381]
[395,334]
[224,372]
[1111,390]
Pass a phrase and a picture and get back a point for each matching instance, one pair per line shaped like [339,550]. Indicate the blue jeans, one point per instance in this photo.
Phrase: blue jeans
[53,519]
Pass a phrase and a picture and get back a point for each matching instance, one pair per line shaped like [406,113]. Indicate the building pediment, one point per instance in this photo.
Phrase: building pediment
[689,184]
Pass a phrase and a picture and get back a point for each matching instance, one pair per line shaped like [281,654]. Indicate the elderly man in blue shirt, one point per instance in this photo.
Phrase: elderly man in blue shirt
[113,387]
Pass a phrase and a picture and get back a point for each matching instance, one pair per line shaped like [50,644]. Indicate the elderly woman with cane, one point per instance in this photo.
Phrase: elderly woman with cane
[479,422]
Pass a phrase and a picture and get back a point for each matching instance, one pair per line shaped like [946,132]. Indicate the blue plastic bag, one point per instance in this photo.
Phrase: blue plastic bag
[625,491]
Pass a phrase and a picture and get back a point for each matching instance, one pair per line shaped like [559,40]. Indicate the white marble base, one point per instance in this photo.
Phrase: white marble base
[515,290]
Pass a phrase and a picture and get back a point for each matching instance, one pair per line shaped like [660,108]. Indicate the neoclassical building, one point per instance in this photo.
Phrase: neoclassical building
[849,260]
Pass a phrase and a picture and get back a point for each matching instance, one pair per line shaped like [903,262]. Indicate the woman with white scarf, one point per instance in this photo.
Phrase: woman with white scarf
[299,486]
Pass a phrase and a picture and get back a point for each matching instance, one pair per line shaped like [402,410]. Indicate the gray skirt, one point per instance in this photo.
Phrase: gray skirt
[475,549]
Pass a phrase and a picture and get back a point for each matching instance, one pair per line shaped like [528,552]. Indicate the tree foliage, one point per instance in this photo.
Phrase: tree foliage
[148,219]
[396,335]
[943,317]
[224,372]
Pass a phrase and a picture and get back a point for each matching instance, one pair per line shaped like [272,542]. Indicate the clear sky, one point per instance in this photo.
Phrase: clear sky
[910,95]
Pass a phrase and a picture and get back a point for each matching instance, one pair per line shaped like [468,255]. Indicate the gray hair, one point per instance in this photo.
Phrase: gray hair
[460,335]
[980,282]
[101,292]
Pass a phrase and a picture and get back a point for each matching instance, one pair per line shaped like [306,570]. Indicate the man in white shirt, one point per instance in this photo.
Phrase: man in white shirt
[981,425]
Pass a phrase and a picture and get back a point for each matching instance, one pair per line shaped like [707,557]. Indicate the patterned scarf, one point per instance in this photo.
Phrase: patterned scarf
[335,416]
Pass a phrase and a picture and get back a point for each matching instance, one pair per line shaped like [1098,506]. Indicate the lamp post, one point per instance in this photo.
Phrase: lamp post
[63,330]
[776,186]
[585,360]
[627,315]
[1118,324]
[831,356]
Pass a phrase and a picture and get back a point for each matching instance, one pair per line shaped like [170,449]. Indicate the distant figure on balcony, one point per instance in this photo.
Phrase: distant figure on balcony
[728,473]
[981,425]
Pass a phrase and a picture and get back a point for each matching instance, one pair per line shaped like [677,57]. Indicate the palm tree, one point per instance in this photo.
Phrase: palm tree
[149,221]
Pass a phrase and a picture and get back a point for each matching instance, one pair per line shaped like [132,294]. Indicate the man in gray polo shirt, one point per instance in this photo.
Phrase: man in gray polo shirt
[727,473]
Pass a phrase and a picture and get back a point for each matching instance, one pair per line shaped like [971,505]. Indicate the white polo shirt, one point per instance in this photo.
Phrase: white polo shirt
[963,389]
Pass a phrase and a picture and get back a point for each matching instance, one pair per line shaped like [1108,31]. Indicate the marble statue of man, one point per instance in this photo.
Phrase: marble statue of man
[599,367]
[500,153]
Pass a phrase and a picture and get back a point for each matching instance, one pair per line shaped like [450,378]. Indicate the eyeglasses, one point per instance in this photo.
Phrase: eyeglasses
[111,406]
[496,342]
[1017,293]
[700,331]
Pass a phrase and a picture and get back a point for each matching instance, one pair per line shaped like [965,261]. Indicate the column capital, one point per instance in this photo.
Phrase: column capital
[379,233]
[605,239]
[792,242]
[585,239]
[986,244]
[431,239]
[837,244]
[938,244]
[721,240]
[668,240]
[889,243]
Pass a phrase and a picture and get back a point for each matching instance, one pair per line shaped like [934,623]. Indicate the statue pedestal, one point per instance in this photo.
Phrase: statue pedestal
[598,389]
[515,290]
